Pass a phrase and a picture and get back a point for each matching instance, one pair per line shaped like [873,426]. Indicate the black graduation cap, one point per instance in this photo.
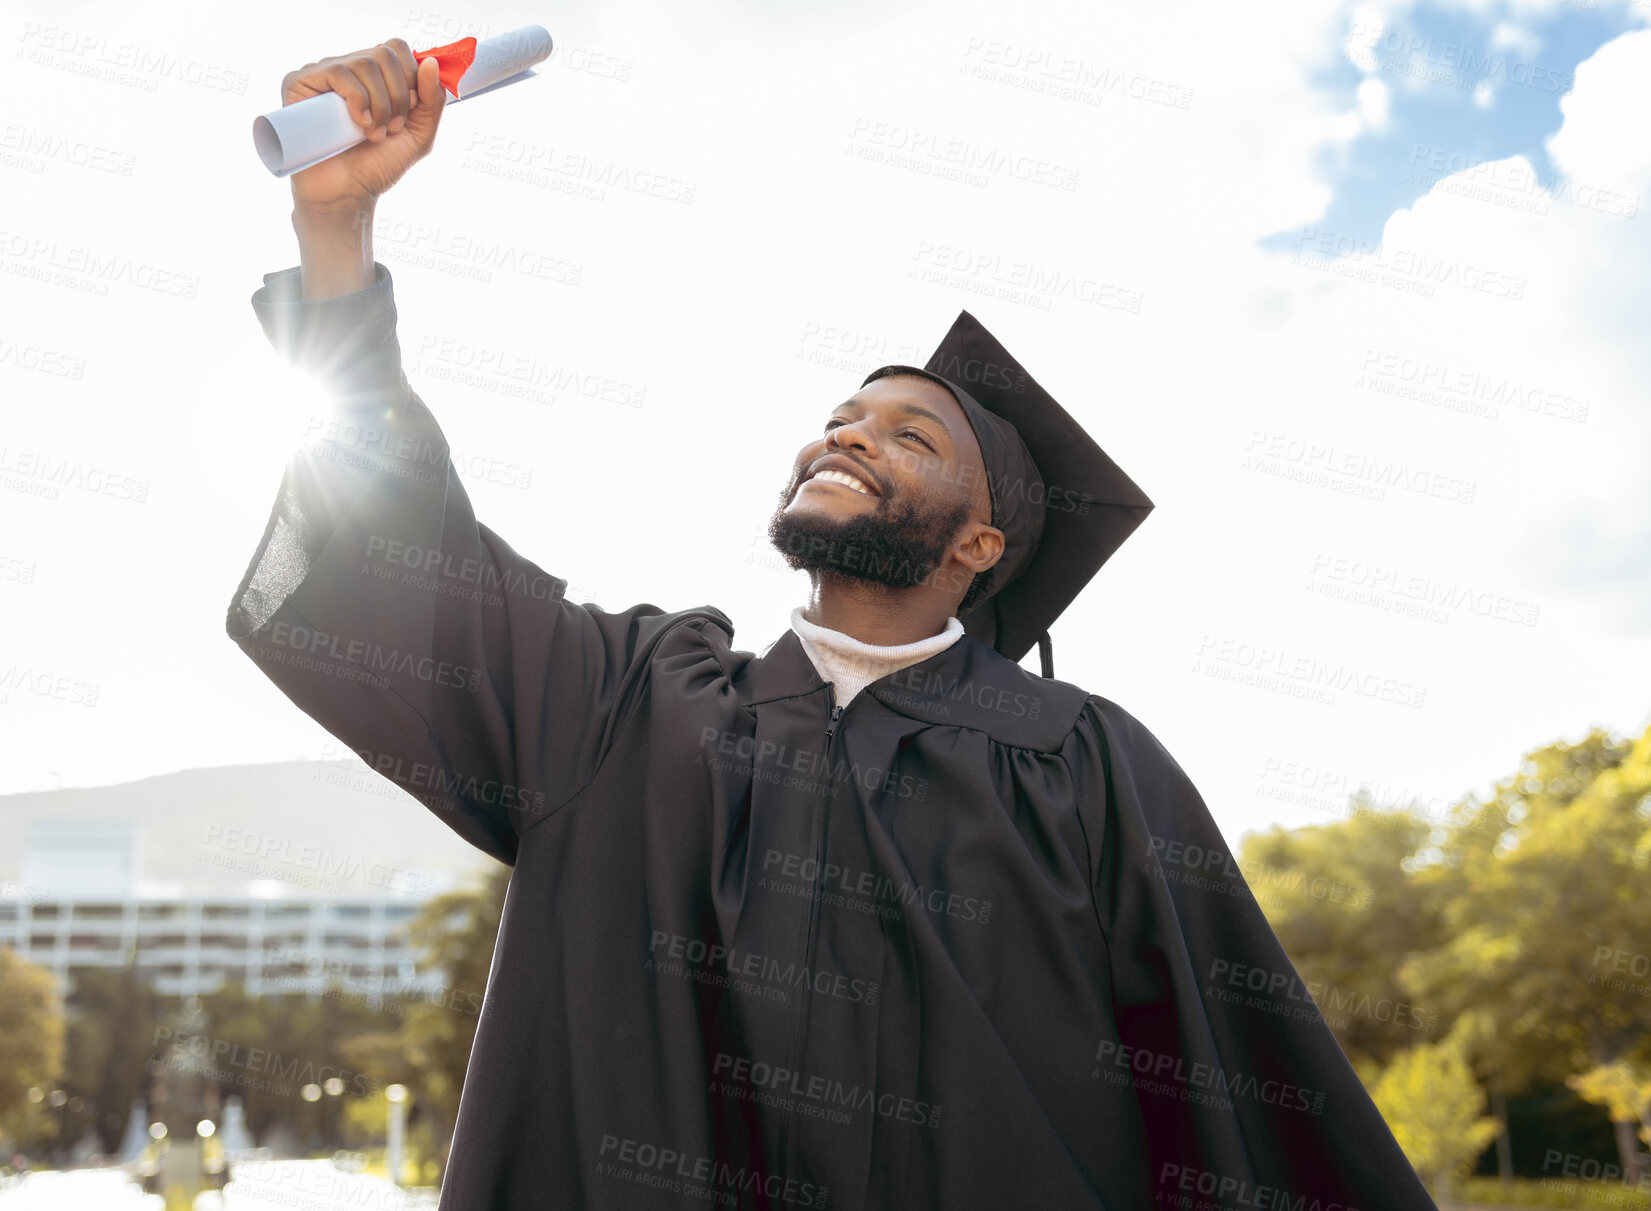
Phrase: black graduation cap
[1062,504]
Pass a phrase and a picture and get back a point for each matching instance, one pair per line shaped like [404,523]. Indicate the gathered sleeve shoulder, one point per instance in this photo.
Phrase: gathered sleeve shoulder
[450,663]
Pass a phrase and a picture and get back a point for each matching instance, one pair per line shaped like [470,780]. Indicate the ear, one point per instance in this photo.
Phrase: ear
[978,547]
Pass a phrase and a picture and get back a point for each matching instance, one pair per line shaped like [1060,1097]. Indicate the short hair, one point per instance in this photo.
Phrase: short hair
[979,587]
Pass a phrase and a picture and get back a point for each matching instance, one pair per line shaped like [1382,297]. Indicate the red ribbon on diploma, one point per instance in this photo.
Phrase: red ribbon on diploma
[455,59]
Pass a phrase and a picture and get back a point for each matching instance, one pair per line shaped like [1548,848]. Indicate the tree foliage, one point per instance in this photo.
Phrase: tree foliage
[31,1043]
[1544,889]
[456,933]
[1348,913]
[1436,1110]
[1519,926]
[112,1017]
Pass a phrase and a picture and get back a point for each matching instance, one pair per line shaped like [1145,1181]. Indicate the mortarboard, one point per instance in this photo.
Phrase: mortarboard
[1064,507]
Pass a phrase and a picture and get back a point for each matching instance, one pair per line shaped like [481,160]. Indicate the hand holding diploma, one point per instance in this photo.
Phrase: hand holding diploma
[350,126]
[396,102]
[305,132]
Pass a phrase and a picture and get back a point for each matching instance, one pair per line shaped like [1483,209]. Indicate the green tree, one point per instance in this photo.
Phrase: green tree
[455,934]
[31,1045]
[1538,883]
[1436,1110]
[1347,912]
[1624,1089]
[269,1047]
[111,1030]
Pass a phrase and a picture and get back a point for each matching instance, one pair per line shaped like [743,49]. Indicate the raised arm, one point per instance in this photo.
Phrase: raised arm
[398,102]
[375,600]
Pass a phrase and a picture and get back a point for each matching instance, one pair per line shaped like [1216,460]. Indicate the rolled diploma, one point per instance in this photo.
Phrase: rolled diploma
[292,138]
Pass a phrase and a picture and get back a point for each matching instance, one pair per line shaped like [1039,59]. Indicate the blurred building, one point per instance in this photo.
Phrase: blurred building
[82,905]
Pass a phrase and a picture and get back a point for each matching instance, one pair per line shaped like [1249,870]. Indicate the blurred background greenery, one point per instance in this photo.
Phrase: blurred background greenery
[1485,969]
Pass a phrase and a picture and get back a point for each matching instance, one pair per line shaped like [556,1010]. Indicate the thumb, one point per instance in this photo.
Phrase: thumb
[432,100]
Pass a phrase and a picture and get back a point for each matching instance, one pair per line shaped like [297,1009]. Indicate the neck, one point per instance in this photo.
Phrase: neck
[874,613]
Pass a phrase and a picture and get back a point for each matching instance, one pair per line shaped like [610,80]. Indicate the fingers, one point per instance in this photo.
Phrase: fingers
[330,75]
[401,75]
[377,84]
[367,70]
[430,90]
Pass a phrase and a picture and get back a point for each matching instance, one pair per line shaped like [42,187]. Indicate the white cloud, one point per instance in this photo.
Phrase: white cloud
[1506,35]
[1604,138]
[1373,99]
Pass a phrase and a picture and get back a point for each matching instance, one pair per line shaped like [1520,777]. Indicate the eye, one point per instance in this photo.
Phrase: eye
[911,433]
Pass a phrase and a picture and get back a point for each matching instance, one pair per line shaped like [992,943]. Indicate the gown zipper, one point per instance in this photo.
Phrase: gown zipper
[786,1136]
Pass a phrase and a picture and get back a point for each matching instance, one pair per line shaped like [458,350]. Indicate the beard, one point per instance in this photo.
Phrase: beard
[899,546]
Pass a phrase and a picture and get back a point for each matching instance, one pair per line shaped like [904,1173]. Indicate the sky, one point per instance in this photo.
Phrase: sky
[1355,293]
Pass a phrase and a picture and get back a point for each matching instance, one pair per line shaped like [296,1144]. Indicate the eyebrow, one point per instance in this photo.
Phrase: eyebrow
[905,408]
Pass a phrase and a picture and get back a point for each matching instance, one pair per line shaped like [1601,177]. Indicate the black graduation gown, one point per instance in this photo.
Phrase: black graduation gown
[970,944]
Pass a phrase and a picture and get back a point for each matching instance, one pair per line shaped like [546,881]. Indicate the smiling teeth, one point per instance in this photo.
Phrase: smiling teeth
[838,477]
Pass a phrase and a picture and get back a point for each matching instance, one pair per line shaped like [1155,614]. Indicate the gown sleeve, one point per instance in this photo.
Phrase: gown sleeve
[378,604]
[1247,1096]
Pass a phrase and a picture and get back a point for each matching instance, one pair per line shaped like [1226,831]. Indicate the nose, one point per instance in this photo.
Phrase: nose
[852,435]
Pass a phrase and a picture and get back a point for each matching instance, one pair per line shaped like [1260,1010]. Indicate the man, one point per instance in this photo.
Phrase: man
[874,919]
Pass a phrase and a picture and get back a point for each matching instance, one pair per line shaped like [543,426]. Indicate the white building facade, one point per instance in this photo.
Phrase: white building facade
[80,905]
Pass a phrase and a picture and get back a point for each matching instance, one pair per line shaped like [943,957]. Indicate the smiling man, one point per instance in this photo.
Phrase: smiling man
[877,918]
